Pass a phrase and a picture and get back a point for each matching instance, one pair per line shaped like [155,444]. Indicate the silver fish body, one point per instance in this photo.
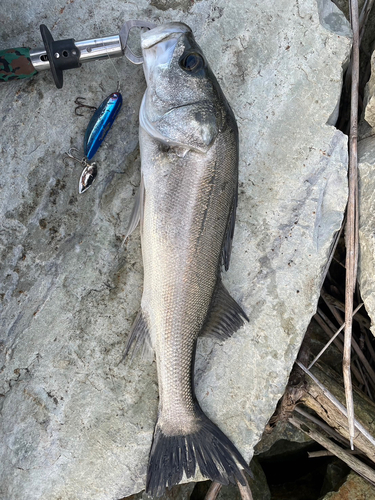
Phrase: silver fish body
[187,204]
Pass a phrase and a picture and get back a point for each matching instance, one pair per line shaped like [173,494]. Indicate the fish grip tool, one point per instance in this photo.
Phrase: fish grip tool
[60,55]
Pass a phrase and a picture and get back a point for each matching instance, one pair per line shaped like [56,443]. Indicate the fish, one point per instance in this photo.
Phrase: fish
[186,206]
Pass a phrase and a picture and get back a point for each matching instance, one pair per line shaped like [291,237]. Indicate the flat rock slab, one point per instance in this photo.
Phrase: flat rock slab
[369,98]
[77,422]
[366,169]
[366,269]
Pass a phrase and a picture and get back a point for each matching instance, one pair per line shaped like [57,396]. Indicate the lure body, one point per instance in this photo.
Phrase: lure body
[100,123]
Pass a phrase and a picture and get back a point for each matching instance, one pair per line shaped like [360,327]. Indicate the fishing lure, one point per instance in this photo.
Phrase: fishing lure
[100,123]
[97,129]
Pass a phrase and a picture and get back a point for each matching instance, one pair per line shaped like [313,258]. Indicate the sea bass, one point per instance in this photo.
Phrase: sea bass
[187,206]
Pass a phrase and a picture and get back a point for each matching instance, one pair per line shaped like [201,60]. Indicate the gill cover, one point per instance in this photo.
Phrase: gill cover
[178,107]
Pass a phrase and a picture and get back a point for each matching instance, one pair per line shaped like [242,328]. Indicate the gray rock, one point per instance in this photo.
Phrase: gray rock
[369,98]
[336,474]
[332,19]
[354,487]
[282,431]
[76,422]
[179,492]
[366,268]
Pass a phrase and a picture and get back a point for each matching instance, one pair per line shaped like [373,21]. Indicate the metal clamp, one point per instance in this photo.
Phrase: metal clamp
[124,36]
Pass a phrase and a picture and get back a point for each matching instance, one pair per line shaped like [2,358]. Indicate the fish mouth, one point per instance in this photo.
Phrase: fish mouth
[158,46]
[158,34]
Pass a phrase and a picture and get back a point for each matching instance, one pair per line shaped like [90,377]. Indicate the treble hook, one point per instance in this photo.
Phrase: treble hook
[82,105]
[89,171]
[70,155]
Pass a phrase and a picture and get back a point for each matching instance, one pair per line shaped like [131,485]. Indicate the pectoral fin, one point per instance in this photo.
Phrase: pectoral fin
[225,316]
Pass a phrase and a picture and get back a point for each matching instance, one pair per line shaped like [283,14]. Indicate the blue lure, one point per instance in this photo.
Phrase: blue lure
[100,123]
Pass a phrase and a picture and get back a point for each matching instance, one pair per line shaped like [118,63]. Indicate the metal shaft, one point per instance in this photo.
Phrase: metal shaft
[97,48]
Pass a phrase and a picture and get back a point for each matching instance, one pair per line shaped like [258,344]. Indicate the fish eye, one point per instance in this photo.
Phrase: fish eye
[192,62]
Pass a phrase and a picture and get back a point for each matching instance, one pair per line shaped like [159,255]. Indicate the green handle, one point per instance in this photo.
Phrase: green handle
[16,64]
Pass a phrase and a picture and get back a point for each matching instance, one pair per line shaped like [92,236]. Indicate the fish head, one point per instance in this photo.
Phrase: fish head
[183,105]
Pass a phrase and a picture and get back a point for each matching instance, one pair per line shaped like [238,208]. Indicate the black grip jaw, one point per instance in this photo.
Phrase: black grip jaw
[62,55]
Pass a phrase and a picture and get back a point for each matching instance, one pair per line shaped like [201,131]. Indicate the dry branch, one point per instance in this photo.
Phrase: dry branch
[326,453]
[244,490]
[328,406]
[215,488]
[363,18]
[332,339]
[351,235]
[327,327]
[333,303]
[329,430]
[213,491]
[353,462]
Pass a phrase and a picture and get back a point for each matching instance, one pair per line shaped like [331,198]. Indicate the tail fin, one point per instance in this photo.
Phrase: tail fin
[209,448]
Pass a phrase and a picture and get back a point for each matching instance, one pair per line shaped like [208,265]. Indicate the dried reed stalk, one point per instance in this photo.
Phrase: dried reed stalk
[351,236]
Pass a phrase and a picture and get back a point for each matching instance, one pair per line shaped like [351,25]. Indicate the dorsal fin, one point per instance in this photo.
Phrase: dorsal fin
[225,316]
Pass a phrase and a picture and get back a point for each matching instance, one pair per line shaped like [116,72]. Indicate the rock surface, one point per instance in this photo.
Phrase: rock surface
[366,268]
[179,492]
[369,98]
[281,431]
[354,488]
[76,422]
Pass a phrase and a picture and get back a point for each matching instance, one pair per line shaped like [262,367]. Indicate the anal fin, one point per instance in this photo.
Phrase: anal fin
[225,316]
[139,338]
[137,211]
